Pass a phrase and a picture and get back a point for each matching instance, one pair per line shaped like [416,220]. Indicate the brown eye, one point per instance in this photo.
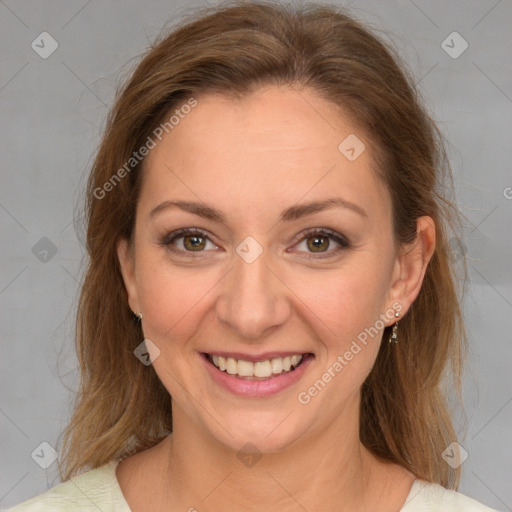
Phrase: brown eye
[187,242]
[318,243]
[194,242]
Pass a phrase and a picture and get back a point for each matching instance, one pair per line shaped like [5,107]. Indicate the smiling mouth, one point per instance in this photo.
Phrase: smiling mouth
[258,370]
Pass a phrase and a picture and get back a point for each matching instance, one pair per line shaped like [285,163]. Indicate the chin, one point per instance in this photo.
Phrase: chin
[267,432]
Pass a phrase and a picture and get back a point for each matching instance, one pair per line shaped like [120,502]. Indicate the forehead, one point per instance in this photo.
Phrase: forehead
[275,145]
[275,118]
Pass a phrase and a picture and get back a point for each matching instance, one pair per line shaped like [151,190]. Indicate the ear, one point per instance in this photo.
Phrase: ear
[411,264]
[127,264]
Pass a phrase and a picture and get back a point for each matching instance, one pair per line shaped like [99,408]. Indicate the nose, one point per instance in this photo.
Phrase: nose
[253,301]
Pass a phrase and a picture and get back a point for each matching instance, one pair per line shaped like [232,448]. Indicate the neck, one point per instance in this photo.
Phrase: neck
[328,470]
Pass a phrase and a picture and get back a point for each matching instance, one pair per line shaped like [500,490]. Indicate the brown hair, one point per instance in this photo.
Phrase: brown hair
[122,407]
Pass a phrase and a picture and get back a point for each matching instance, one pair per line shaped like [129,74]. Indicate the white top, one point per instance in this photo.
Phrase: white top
[99,489]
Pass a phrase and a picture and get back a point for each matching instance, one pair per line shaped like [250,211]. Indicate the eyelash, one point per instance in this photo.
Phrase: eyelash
[310,233]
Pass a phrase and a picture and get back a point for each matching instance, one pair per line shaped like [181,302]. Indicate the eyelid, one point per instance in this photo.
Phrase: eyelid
[173,235]
[340,239]
[167,241]
[325,232]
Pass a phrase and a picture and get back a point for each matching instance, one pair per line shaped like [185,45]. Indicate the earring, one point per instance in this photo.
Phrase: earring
[138,317]
[393,338]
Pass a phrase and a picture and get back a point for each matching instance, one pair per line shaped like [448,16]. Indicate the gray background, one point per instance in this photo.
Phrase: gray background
[52,115]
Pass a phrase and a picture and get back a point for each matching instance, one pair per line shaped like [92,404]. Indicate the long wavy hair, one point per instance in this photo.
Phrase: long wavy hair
[121,407]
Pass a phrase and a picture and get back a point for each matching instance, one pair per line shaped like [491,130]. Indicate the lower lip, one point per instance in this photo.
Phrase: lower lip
[256,388]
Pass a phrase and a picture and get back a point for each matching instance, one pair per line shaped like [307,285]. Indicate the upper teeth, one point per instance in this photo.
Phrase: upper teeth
[259,368]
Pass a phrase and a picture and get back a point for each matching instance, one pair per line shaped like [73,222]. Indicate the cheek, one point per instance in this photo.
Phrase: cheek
[345,301]
[346,310]
[169,300]
[175,300]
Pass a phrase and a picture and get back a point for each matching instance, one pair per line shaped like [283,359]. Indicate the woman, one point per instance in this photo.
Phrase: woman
[268,211]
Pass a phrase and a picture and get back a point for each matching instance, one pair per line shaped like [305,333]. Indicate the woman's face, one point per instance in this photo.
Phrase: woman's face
[290,253]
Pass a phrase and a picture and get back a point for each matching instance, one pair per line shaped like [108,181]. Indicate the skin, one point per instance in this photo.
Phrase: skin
[252,159]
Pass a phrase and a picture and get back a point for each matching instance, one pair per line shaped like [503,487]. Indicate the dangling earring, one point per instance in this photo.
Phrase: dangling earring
[138,317]
[393,338]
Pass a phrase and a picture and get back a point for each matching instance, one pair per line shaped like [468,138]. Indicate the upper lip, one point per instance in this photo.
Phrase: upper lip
[257,357]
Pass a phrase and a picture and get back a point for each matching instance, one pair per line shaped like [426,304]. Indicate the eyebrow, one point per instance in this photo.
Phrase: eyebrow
[290,214]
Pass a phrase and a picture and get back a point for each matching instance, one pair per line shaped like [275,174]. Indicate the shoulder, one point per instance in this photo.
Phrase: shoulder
[428,497]
[94,490]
